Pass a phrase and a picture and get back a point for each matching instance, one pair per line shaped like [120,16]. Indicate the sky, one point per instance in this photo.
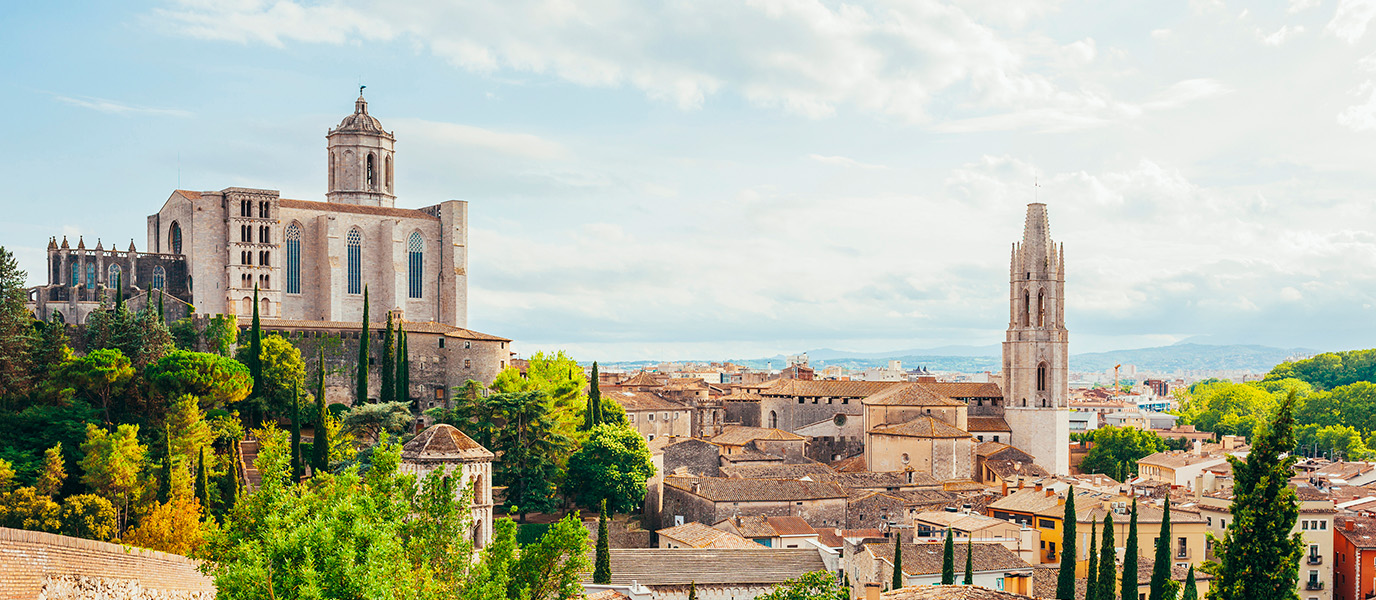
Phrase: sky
[715,179]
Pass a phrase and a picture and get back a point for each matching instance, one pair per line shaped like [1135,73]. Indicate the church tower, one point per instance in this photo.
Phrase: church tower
[1036,386]
[360,158]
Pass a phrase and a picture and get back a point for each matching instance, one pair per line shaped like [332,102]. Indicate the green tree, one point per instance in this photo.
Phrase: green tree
[1092,574]
[403,378]
[320,446]
[1330,369]
[48,349]
[165,477]
[474,414]
[948,560]
[530,446]
[1130,557]
[1065,581]
[203,483]
[593,413]
[53,474]
[897,582]
[1107,570]
[1191,591]
[298,467]
[254,358]
[388,366]
[215,381]
[282,372]
[15,328]
[561,379]
[602,573]
[1226,408]
[102,377]
[1258,557]
[220,333]
[1114,446]
[1161,568]
[372,420]
[112,464]
[89,516]
[814,585]
[361,387]
[692,590]
[140,336]
[969,560]
[612,466]
[231,486]
[551,568]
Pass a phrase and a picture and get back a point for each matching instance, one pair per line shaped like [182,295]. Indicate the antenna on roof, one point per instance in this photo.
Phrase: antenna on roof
[1036,189]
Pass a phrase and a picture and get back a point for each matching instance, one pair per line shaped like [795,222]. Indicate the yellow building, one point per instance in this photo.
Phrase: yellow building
[1187,542]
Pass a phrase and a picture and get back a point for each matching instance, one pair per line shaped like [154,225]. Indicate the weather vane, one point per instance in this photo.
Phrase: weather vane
[360,89]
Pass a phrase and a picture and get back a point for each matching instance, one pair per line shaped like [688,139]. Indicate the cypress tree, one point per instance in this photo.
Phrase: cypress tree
[1161,569]
[389,359]
[898,562]
[595,398]
[162,314]
[1130,557]
[969,560]
[233,485]
[1258,557]
[297,468]
[692,590]
[602,573]
[361,390]
[165,482]
[1065,580]
[119,292]
[320,448]
[403,367]
[948,560]
[1107,569]
[203,484]
[1092,574]
[1191,591]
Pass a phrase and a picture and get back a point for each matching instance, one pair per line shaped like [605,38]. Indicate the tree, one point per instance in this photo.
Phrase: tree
[1329,370]
[969,560]
[165,478]
[814,585]
[1065,581]
[140,336]
[298,468]
[15,328]
[255,348]
[403,378]
[530,446]
[1107,568]
[112,464]
[1191,591]
[88,516]
[1092,574]
[371,420]
[897,582]
[282,372]
[48,349]
[1258,557]
[1226,408]
[593,413]
[552,567]
[388,367]
[692,590]
[173,526]
[101,377]
[231,486]
[612,466]
[602,573]
[215,381]
[361,388]
[1161,569]
[53,474]
[219,334]
[948,560]
[1130,557]
[203,483]
[320,447]
[475,415]
[1114,446]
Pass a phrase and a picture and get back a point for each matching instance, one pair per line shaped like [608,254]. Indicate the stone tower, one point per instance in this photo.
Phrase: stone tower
[1036,386]
[361,153]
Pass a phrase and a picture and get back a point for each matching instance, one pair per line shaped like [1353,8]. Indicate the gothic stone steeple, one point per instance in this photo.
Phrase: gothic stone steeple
[361,154]
[1036,387]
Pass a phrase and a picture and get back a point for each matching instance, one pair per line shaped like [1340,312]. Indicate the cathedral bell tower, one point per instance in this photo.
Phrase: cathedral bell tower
[1036,386]
[360,158]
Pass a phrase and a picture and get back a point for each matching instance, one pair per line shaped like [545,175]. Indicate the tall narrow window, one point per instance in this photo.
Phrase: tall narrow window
[175,234]
[263,234]
[263,210]
[90,275]
[388,174]
[159,277]
[114,278]
[1041,308]
[415,261]
[1026,309]
[372,174]
[331,171]
[1041,377]
[76,274]
[293,265]
[355,249]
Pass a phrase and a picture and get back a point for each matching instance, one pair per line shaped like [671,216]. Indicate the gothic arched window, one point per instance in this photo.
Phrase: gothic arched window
[773,420]
[76,274]
[159,277]
[293,265]
[372,173]
[1041,377]
[1041,308]
[91,275]
[175,235]
[1026,309]
[113,279]
[415,263]
[355,250]
[388,174]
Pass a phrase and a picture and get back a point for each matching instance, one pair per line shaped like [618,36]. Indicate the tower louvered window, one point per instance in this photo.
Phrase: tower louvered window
[355,247]
[415,262]
[293,265]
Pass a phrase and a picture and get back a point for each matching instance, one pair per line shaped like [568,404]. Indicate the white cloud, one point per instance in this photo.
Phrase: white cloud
[843,161]
[1279,36]
[1351,19]
[113,107]
[516,144]
[1302,5]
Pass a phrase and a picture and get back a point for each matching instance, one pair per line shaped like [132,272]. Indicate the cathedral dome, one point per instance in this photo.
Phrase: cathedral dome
[360,121]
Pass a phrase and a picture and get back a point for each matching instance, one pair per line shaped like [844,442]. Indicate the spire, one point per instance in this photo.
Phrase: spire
[1037,246]
[64,243]
[80,242]
[131,245]
[99,247]
[52,243]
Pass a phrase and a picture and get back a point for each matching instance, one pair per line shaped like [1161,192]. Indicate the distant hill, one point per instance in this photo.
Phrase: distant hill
[974,359]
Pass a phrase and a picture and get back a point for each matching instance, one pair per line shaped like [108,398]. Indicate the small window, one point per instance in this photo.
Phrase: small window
[441,342]
[468,344]
[650,416]
[467,363]
[439,393]
[1323,525]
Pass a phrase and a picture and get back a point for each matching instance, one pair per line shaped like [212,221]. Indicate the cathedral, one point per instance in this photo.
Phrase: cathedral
[310,261]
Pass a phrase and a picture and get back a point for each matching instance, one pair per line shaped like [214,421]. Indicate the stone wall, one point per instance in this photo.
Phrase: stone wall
[43,565]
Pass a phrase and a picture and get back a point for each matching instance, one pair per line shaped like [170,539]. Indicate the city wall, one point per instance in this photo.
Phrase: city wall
[43,565]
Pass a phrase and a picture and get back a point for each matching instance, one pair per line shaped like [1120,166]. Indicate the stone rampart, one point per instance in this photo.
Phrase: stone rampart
[43,565]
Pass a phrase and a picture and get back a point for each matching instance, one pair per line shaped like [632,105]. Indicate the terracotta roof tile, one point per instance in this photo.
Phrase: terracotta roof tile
[443,443]
[698,535]
[356,209]
[826,388]
[724,489]
[642,401]
[988,424]
[813,471]
[910,394]
[950,592]
[737,435]
[922,427]
[188,194]
[709,566]
[925,559]
[962,389]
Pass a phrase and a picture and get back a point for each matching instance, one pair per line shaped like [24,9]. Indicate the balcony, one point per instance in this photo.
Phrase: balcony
[1182,553]
[1313,585]
[1315,559]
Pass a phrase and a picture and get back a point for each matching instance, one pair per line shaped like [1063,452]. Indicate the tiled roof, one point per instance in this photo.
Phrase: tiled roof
[750,453]
[723,489]
[710,566]
[823,388]
[814,471]
[356,208]
[641,401]
[997,451]
[606,595]
[697,535]
[950,592]
[852,464]
[443,443]
[1027,500]
[642,378]
[925,559]
[988,424]
[910,394]
[883,479]
[1044,582]
[469,334]
[790,526]
[1146,513]
[685,383]
[746,526]
[922,427]
[737,435]
[409,326]
[188,194]
[959,521]
[925,497]
[1362,534]
[738,395]
[1007,469]
[962,389]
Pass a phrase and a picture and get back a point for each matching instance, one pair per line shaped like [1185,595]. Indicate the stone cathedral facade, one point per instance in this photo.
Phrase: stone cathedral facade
[1036,376]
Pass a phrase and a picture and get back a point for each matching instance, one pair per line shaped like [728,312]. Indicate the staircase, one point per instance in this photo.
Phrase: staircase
[248,454]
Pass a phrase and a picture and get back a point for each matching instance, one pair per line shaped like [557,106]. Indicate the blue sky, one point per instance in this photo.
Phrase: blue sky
[738,179]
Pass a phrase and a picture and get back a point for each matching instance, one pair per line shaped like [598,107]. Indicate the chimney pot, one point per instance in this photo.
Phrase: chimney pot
[1349,525]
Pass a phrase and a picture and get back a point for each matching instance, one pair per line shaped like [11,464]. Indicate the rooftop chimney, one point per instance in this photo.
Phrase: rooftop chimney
[697,486]
[1349,525]
[872,590]
[1039,486]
